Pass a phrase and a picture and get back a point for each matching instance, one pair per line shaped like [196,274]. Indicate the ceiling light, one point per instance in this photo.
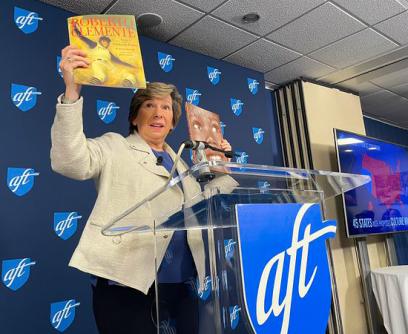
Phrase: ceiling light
[148,20]
[251,18]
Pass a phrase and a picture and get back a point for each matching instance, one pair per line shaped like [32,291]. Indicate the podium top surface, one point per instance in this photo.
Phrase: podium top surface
[239,183]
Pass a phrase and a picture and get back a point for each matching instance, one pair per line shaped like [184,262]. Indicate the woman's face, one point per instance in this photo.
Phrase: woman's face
[155,120]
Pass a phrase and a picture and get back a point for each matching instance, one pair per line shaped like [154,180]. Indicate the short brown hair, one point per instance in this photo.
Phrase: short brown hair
[154,89]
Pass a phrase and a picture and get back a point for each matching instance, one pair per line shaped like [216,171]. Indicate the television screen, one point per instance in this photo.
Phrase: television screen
[380,206]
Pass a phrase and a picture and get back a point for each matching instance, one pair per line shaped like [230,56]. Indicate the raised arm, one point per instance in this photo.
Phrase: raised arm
[71,153]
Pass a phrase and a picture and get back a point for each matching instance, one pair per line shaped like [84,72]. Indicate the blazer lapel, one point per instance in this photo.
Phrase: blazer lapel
[147,159]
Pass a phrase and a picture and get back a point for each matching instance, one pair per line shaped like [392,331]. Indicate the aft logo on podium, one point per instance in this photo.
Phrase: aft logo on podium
[62,314]
[258,134]
[214,75]
[106,111]
[26,20]
[193,96]
[65,224]
[16,272]
[286,277]
[165,61]
[236,106]
[253,86]
[24,97]
[20,180]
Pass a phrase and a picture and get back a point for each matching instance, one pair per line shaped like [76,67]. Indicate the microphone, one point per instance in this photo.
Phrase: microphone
[159,160]
[195,144]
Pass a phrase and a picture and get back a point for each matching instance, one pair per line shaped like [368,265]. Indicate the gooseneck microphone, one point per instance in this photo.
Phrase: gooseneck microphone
[159,160]
[200,145]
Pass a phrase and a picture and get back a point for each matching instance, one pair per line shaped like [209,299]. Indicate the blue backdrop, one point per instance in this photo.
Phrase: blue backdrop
[36,282]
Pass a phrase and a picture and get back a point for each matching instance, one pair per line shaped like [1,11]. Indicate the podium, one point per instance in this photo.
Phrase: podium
[257,237]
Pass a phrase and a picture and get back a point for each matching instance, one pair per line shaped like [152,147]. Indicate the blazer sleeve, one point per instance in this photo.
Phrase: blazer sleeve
[72,154]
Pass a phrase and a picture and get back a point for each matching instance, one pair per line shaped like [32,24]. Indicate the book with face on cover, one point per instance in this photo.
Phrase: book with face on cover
[112,47]
[204,125]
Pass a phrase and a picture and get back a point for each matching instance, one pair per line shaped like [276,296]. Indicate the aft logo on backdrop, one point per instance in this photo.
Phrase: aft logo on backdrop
[222,125]
[165,61]
[26,20]
[285,269]
[258,134]
[229,248]
[16,272]
[204,293]
[242,157]
[214,75]
[263,186]
[65,224]
[20,180]
[62,314]
[234,316]
[59,58]
[253,86]
[193,96]
[24,97]
[236,106]
[106,111]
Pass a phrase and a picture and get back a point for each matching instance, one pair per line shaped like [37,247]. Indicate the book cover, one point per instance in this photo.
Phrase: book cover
[204,125]
[112,46]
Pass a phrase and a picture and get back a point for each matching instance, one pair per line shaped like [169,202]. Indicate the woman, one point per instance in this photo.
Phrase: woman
[126,171]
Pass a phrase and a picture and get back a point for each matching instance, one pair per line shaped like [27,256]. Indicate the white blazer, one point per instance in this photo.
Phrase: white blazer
[125,172]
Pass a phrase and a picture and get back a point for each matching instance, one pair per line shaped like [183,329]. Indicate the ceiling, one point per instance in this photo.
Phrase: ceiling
[361,45]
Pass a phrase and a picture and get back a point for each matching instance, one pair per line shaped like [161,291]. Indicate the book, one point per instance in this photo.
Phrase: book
[204,125]
[112,46]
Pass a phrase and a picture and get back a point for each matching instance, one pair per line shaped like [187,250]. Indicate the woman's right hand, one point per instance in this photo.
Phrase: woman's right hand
[71,58]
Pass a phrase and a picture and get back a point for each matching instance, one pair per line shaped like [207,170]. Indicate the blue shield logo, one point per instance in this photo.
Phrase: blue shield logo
[229,248]
[24,97]
[222,125]
[285,270]
[263,186]
[59,58]
[26,20]
[242,157]
[65,224]
[258,135]
[193,96]
[15,273]
[213,75]
[165,61]
[234,316]
[62,314]
[206,291]
[236,106]
[20,180]
[106,111]
[253,86]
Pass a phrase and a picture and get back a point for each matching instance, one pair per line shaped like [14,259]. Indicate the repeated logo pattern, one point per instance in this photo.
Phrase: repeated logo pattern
[26,20]
[16,272]
[62,314]
[20,180]
[106,111]
[24,97]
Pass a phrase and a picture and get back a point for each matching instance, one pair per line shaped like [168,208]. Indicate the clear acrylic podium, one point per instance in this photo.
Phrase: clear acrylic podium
[208,215]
